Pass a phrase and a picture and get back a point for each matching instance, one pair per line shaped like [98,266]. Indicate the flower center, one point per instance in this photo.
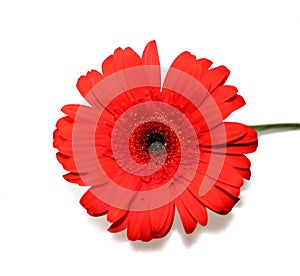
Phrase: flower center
[156,139]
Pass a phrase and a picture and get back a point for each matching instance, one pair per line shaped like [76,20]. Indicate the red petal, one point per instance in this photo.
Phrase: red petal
[66,131]
[81,113]
[150,57]
[135,219]
[188,64]
[70,110]
[119,225]
[223,93]
[158,218]
[215,77]
[204,65]
[114,214]
[245,173]
[146,234]
[188,222]
[63,145]
[120,60]
[233,191]
[241,149]
[86,83]
[251,137]
[83,85]
[67,162]
[74,178]
[227,173]
[183,60]
[177,81]
[150,54]
[231,105]
[219,198]
[219,201]
[64,121]
[198,68]
[223,134]
[93,205]
[194,207]
[231,149]
[118,175]
[238,161]
[94,77]
[168,223]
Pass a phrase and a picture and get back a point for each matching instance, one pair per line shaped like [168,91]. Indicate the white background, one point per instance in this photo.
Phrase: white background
[47,45]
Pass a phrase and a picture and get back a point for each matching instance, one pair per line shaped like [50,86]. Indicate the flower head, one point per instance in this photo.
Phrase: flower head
[145,148]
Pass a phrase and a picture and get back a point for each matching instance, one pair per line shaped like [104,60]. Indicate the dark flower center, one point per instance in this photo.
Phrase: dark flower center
[154,138]
[156,141]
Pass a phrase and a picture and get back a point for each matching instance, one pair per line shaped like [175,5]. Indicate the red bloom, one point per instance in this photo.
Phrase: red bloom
[144,150]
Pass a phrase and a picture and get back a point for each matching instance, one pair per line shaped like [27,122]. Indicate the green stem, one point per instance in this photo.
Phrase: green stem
[291,126]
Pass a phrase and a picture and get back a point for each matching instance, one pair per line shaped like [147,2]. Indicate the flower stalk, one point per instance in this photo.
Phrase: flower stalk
[288,126]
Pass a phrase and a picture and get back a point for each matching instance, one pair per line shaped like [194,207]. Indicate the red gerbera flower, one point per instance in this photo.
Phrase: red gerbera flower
[144,150]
